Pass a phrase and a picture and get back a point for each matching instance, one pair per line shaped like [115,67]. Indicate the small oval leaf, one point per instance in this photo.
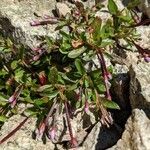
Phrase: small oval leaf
[109,104]
[76,52]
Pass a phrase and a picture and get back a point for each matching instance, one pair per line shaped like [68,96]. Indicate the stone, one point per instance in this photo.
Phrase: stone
[137,133]
[120,85]
[15,20]
[102,137]
[140,85]
[144,6]
[62,9]
[144,32]
[22,139]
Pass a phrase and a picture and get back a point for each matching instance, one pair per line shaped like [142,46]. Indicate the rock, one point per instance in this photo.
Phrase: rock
[120,85]
[144,32]
[15,18]
[101,137]
[144,6]
[137,133]
[62,9]
[22,139]
[140,85]
[91,139]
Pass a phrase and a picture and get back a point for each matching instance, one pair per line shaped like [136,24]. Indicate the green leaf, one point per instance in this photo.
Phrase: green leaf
[112,7]
[61,25]
[52,95]
[14,64]
[3,97]
[79,66]
[106,42]
[107,30]
[3,118]
[72,87]
[41,101]
[30,112]
[76,52]
[9,43]
[19,74]
[43,88]
[96,26]
[109,104]
[100,86]
[60,79]
[64,35]
[64,76]
[53,75]
[49,42]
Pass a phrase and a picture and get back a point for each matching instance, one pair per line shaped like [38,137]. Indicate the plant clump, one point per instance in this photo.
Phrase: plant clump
[54,79]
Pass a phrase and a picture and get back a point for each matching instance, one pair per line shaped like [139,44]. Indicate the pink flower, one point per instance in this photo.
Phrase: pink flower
[38,50]
[35,23]
[40,131]
[109,75]
[47,17]
[86,107]
[147,58]
[74,142]
[36,57]
[52,133]
[12,98]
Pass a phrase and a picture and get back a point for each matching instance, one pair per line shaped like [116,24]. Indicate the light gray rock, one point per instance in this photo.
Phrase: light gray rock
[15,18]
[22,139]
[144,32]
[144,6]
[102,137]
[140,85]
[137,133]
[62,9]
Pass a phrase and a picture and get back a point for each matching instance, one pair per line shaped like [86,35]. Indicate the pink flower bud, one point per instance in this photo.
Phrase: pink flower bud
[52,133]
[42,78]
[12,98]
[74,143]
[86,107]
[39,50]
[13,103]
[36,49]
[47,17]
[36,57]
[35,23]
[108,96]
[147,58]
[109,76]
[40,131]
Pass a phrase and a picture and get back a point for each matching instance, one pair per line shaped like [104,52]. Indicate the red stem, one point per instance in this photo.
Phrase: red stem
[68,121]
[14,131]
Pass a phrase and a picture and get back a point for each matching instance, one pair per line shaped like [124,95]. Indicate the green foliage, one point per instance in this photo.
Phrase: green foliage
[57,76]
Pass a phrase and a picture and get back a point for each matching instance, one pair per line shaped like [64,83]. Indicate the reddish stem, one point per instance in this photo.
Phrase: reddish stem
[69,125]
[45,22]
[145,22]
[14,131]
[141,50]
[104,69]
